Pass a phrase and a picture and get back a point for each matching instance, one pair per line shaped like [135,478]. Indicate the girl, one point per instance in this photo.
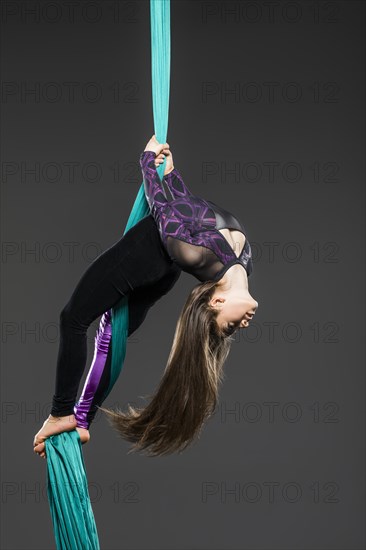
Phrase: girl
[181,232]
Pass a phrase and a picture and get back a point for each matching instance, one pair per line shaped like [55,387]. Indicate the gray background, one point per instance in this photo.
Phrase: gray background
[291,412]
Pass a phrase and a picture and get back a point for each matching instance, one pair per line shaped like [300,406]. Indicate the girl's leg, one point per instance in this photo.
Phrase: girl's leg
[100,288]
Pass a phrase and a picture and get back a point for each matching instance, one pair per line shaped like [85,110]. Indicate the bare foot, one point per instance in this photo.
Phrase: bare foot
[55,425]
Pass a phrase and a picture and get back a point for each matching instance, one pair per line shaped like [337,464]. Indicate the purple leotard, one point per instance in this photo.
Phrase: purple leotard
[189,225]
[189,229]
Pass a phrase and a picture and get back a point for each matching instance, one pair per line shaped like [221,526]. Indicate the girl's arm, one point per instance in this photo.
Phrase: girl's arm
[176,184]
[154,190]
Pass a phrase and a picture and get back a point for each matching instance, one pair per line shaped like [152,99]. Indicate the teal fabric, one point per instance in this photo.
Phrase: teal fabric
[72,515]
[160,81]
[67,489]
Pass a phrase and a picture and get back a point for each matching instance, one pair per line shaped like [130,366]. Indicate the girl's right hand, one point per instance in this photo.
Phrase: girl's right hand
[154,145]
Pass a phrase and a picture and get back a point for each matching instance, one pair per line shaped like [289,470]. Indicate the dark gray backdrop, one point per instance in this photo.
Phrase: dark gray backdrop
[266,119]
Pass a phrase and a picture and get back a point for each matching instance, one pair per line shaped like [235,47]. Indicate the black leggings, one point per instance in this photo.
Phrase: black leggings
[136,266]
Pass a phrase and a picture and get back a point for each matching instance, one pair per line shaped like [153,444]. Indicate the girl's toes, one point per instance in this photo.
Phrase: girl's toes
[39,448]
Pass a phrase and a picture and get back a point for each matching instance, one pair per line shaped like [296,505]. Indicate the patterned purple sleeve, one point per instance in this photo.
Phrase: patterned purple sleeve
[176,184]
[153,188]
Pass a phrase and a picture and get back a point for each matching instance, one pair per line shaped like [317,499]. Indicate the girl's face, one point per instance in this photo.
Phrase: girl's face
[235,308]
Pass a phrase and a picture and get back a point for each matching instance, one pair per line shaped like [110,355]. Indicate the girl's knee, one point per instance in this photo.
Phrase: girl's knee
[71,316]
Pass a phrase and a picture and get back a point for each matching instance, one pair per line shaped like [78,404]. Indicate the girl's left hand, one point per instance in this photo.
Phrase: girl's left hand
[166,153]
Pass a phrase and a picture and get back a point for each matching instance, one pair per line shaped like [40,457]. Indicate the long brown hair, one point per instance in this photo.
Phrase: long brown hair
[188,391]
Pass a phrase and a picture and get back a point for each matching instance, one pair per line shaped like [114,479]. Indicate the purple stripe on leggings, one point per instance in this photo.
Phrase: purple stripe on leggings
[102,341]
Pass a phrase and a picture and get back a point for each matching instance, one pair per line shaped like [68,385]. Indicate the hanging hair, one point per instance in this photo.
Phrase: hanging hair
[188,391]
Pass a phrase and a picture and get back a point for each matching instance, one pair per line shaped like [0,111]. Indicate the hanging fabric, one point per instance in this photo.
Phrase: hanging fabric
[71,511]
[160,80]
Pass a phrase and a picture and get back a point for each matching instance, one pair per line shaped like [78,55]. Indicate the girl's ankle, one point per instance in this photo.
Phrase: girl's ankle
[69,418]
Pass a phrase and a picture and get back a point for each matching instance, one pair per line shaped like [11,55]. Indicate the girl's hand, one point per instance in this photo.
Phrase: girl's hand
[166,153]
[55,425]
[154,145]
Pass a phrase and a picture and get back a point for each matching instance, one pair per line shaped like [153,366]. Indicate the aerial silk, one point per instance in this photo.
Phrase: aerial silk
[71,511]
[160,73]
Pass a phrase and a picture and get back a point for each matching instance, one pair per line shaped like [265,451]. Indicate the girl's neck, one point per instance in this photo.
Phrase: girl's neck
[235,277]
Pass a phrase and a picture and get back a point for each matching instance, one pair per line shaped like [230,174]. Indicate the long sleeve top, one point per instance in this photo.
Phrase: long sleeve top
[189,225]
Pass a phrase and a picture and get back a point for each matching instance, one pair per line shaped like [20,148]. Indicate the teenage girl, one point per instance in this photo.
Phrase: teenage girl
[181,232]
